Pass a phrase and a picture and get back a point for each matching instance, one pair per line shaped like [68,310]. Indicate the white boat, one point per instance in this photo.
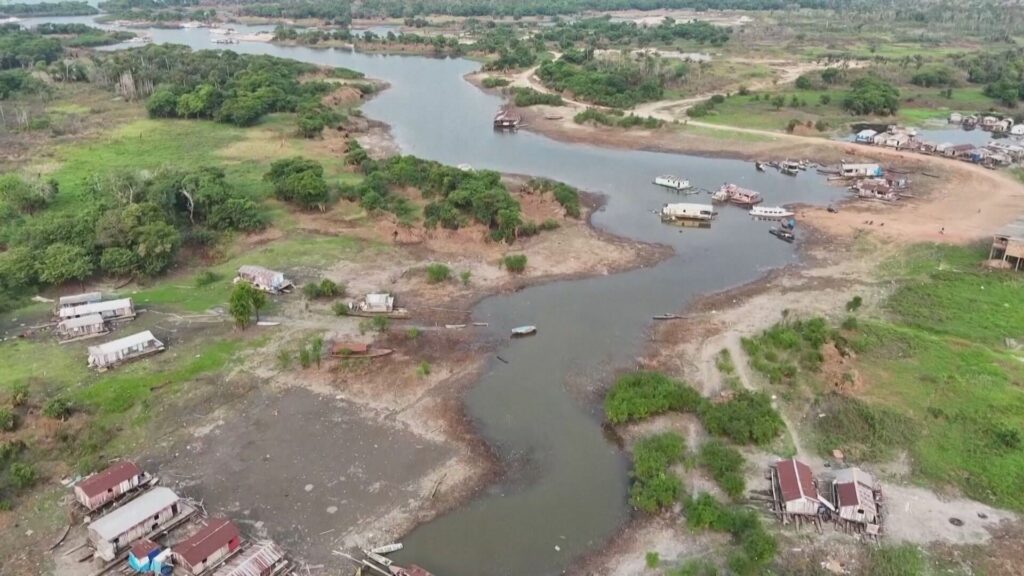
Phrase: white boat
[686,211]
[225,41]
[673,182]
[770,212]
[387,548]
[524,330]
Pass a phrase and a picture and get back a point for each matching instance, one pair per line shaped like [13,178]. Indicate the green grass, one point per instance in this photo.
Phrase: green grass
[724,134]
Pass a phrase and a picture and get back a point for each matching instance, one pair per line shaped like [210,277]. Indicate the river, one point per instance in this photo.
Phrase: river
[566,493]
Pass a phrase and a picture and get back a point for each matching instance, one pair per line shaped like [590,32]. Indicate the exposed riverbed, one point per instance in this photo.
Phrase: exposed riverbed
[566,491]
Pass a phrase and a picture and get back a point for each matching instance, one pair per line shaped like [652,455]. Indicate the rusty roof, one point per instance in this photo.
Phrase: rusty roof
[209,539]
[253,562]
[795,480]
[143,547]
[100,482]
[846,494]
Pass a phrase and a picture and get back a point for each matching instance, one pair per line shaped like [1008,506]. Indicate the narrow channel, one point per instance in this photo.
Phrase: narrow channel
[567,491]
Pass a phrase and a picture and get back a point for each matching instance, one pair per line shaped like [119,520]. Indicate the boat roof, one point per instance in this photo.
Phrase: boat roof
[689,206]
[122,343]
[102,481]
[84,298]
[133,513]
[89,320]
[96,307]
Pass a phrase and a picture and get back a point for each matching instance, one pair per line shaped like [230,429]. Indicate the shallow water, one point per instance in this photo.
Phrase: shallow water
[567,491]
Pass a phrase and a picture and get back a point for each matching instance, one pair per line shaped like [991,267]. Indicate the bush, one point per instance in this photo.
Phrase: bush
[757,546]
[652,559]
[854,304]
[464,277]
[654,486]
[904,560]
[748,418]
[412,333]
[22,475]
[206,277]
[514,263]
[725,464]
[423,370]
[639,395]
[58,408]
[825,99]
[529,97]
[437,273]
[494,82]
[19,393]
[8,421]
[340,309]
[374,324]
[323,289]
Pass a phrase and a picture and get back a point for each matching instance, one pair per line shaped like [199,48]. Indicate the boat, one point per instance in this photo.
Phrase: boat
[782,234]
[770,212]
[225,41]
[673,182]
[687,211]
[412,570]
[759,166]
[385,562]
[789,224]
[667,317]
[790,168]
[506,119]
[387,548]
[736,195]
[524,331]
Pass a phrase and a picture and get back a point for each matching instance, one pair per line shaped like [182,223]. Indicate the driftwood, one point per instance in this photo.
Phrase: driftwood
[61,539]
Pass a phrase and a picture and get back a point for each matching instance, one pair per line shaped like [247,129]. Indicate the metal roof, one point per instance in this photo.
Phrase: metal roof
[133,513]
[122,343]
[209,539]
[89,320]
[795,480]
[96,307]
[85,298]
[100,482]
[253,562]
[1014,230]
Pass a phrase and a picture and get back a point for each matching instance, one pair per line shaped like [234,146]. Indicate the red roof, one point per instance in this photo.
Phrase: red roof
[102,481]
[143,546]
[217,534]
[795,480]
[847,495]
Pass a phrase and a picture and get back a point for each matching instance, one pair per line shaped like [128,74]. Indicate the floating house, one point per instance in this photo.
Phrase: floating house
[1002,126]
[506,119]
[955,117]
[212,543]
[898,140]
[114,310]
[142,516]
[988,122]
[848,170]
[109,354]
[261,559]
[866,136]
[81,327]
[1017,130]
[1008,244]
[110,484]
[267,280]
[377,303]
[959,150]
[853,491]
[78,300]
[793,488]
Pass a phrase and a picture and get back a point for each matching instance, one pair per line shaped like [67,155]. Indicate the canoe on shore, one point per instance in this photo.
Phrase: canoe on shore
[524,331]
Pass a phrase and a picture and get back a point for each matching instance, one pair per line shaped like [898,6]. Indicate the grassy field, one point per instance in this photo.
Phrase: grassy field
[936,377]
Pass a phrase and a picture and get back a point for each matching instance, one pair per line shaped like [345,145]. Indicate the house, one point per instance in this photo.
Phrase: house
[866,136]
[78,299]
[146,514]
[1014,151]
[926,147]
[120,309]
[264,279]
[1002,126]
[110,354]
[793,487]
[262,559]
[955,117]
[213,542]
[898,140]
[960,151]
[987,122]
[109,484]
[860,170]
[942,148]
[81,327]
[377,303]
[853,492]
[970,122]
[1017,130]
[1008,244]
[875,188]
[978,155]
[879,139]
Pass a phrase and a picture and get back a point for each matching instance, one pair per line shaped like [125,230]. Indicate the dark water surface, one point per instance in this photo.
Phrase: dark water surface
[568,487]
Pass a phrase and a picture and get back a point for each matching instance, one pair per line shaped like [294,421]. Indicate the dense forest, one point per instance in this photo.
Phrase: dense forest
[596,31]
[64,8]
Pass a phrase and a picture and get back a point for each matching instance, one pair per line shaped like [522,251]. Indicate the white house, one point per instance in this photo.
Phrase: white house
[110,354]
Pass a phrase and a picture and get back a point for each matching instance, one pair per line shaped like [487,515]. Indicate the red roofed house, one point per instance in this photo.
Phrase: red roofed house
[794,485]
[206,547]
[102,487]
[853,490]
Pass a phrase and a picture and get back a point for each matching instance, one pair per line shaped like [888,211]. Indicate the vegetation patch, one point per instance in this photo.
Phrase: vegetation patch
[725,464]
[756,547]
[655,487]
[639,395]
[524,97]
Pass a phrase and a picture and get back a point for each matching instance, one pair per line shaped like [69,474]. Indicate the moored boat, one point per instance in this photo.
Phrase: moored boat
[759,166]
[687,211]
[770,212]
[790,168]
[736,195]
[673,182]
[782,234]
[524,331]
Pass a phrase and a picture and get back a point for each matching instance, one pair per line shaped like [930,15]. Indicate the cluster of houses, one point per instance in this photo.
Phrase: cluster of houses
[870,181]
[852,498]
[992,155]
[137,516]
[88,315]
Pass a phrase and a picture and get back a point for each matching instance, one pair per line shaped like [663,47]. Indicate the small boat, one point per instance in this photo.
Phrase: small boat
[782,234]
[385,562]
[524,331]
[759,166]
[686,211]
[790,168]
[225,41]
[667,317]
[770,212]
[673,182]
[789,224]
[412,570]
[387,548]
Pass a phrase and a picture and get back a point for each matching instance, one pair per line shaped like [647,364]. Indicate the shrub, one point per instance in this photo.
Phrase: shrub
[494,82]
[284,359]
[825,99]
[8,421]
[323,289]
[747,418]
[58,408]
[305,358]
[19,393]
[412,333]
[515,263]
[639,395]
[725,464]
[757,546]
[206,277]
[854,304]
[717,99]
[423,370]
[340,309]
[437,273]
[652,559]
[464,277]
[904,560]
[850,323]
[654,486]
[22,475]
[374,324]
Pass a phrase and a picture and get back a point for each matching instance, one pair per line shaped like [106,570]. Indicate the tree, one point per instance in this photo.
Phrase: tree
[162,104]
[17,268]
[240,303]
[155,246]
[1005,90]
[118,261]
[22,196]
[779,101]
[872,95]
[63,262]
[299,180]
[803,82]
